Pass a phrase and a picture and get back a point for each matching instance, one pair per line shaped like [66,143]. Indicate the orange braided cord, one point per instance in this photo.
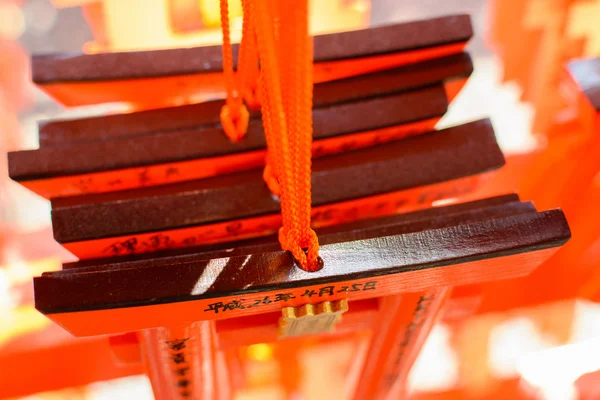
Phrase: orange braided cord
[234,115]
[297,100]
[270,173]
[286,88]
[248,69]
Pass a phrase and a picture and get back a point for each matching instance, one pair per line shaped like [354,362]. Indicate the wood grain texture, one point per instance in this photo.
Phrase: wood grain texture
[426,159]
[80,289]
[67,132]
[337,46]
[430,218]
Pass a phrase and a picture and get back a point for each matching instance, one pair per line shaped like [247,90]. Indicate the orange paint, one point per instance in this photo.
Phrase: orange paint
[125,348]
[127,319]
[569,160]
[326,215]
[161,174]
[160,91]
[403,324]
[263,328]
[34,369]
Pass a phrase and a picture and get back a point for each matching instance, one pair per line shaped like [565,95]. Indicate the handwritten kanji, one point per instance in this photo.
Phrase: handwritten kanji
[327,290]
[177,344]
[232,305]
[158,241]
[127,246]
[189,241]
[171,171]
[215,307]
[143,177]
[234,228]
[182,371]
[178,358]
[284,297]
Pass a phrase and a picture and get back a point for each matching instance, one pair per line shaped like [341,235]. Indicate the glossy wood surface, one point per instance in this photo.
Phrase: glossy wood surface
[355,254]
[434,217]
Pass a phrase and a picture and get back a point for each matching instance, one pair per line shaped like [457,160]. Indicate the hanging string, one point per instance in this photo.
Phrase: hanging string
[275,34]
[234,114]
[248,68]
[270,174]
[286,94]
[297,81]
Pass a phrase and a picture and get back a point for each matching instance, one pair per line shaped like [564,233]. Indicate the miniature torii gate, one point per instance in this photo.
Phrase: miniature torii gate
[188,306]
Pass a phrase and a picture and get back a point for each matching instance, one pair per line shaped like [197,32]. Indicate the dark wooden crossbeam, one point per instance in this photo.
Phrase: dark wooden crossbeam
[409,255]
[362,87]
[331,47]
[426,159]
[152,79]
[429,218]
[210,141]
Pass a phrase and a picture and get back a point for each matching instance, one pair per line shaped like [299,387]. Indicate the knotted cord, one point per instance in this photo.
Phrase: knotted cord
[279,30]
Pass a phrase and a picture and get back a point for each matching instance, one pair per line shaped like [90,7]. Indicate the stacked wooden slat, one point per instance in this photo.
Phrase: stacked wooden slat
[173,223]
[178,158]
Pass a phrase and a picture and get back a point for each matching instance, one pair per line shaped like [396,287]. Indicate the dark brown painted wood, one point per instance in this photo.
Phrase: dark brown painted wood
[194,143]
[337,46]
[426,159]
[430,218]
[66,132]
[587,74]
[349,257]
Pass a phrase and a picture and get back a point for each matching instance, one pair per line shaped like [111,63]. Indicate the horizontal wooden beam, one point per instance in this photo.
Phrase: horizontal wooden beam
[210,141]
[392,262]
[439,156]
[159,78]
[206,59]
[410,77]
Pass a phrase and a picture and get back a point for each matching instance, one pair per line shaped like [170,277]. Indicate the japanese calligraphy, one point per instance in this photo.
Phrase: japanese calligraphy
[322,292]
[177,351]
[128,246]
[419,316]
